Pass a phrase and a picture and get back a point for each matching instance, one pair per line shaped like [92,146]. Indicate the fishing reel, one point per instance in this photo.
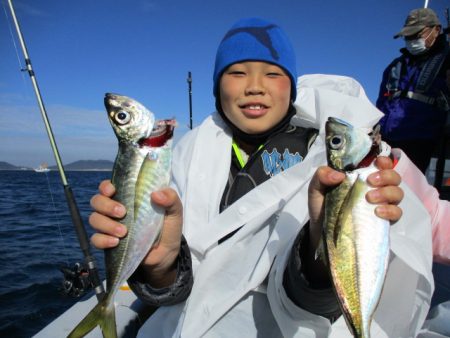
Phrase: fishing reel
[76,280]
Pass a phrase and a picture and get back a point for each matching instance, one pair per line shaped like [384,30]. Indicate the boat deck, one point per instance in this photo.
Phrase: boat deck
[131,313]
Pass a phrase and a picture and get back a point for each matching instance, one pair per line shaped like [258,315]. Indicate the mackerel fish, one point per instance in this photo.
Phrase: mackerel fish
[142,165]
[355,240]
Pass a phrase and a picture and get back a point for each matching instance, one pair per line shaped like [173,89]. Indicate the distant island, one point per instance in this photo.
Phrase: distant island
[9,166]
[86,165]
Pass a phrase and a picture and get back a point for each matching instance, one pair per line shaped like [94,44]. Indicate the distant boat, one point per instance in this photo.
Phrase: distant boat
[43,168]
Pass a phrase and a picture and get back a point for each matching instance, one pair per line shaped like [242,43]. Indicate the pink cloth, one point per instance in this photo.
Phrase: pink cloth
[438,209]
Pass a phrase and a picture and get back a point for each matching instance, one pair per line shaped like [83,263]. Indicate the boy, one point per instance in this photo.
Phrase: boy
[251,221]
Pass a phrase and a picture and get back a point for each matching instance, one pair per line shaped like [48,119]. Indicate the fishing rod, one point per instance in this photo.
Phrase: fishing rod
[73,208]
[189,80]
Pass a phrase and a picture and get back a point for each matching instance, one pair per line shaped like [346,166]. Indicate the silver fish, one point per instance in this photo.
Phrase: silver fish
[142,165]
[356,241]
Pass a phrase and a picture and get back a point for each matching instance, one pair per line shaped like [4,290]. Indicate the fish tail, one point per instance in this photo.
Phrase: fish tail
[103,315]
[362,335]
[362,330]
[366,330]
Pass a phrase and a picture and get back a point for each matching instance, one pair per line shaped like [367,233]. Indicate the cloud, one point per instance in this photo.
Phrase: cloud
[79,133]
[148,6]
[73,121]
[29,10]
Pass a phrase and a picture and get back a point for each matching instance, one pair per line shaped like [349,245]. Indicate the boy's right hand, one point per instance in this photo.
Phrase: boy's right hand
[159,263]
[106,210]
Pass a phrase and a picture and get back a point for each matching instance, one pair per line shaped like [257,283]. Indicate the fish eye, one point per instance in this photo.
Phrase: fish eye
[122,117]
[336,141]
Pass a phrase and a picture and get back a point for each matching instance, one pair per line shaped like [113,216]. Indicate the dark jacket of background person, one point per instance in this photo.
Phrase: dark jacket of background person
[414,96]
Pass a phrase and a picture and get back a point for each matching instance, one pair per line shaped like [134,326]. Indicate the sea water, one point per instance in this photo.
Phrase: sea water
[37,238]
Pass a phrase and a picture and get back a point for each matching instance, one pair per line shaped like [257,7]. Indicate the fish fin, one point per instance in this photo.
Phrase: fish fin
[142,185]
[319,250]
[376,134]
[103,314]
[342,213]
[347,207]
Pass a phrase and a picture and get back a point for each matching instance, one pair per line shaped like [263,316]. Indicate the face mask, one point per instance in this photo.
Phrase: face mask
[417,46]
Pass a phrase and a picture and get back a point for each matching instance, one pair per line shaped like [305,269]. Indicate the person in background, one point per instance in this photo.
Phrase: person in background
[414,95]
[243,220]
[415,89]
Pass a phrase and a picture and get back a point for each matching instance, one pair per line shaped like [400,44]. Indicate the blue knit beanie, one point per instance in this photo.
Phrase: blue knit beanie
[255,39]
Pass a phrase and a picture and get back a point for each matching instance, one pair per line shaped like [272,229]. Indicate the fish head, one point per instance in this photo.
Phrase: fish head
[346,146]
[130,120]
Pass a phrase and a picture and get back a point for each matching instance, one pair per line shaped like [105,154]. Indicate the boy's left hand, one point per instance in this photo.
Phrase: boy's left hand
[387,194]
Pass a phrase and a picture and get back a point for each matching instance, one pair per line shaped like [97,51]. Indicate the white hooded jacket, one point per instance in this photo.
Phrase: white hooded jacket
[238,289]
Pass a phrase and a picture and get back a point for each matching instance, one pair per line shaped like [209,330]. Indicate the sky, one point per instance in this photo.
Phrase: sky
[144,49]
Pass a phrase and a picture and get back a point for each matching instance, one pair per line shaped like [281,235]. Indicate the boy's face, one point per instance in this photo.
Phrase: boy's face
[255,95]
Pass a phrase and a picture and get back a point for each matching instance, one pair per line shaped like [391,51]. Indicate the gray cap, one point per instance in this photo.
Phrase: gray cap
[417,20]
